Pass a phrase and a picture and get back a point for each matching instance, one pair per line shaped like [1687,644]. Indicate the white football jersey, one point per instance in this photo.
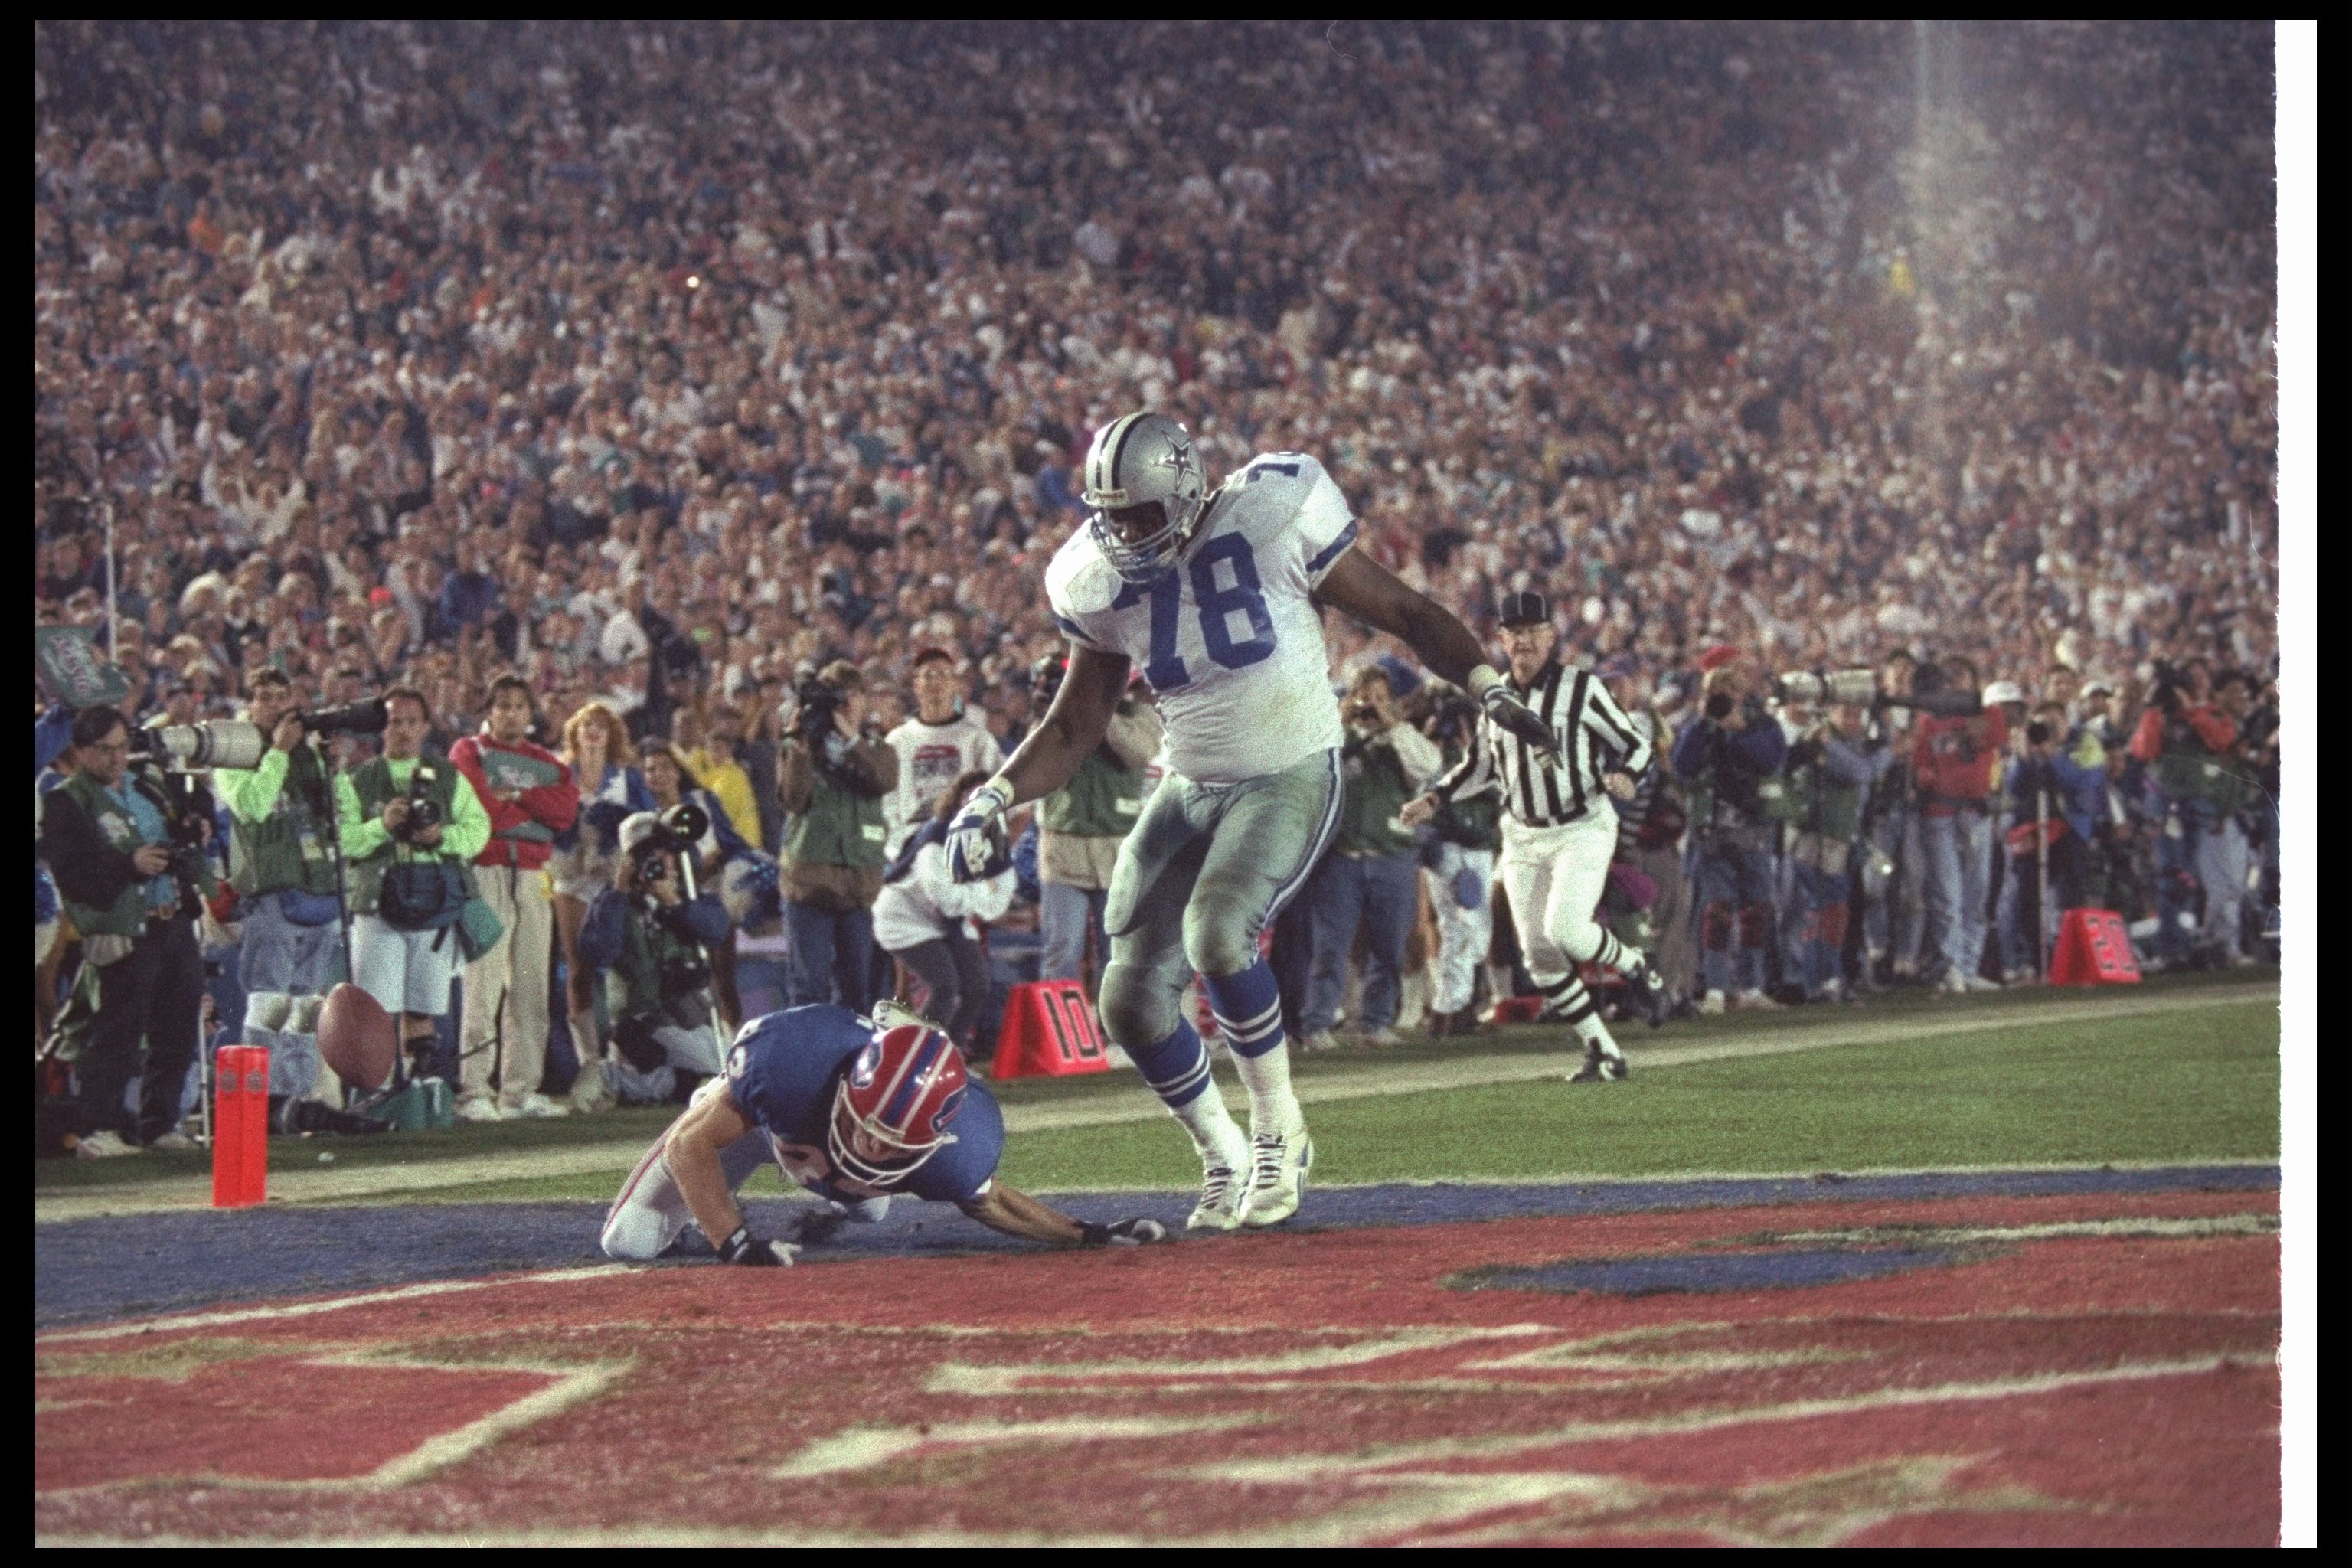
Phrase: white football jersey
[1229,638]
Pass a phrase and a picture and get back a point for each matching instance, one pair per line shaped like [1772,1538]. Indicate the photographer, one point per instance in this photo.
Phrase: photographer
[649,940]
[2045,780]
[410,824]
[1953,762]
[281,863]
[1081,826]
[2194,784]
[531,797]
[1369,878]
[130,886]
[1833,768]
[1458,866]
[1729,763]
[832,781]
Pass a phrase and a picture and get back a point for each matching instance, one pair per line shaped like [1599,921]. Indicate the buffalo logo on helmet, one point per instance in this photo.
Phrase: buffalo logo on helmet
[892,1109]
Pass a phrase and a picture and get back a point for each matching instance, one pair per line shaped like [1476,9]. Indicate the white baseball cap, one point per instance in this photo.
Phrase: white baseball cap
[2001,692]
[637,827]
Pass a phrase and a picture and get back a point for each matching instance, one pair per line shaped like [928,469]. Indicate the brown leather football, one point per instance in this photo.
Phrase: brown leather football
[357,1039]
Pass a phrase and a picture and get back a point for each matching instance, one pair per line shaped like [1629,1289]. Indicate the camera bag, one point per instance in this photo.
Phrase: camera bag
[423,895]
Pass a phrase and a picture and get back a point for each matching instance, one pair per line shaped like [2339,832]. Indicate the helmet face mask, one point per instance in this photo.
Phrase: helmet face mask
[891,1108]
[1146,493]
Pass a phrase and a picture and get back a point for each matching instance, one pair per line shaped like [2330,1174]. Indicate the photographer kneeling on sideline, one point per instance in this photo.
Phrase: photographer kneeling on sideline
[107,839]
[410,824]
[651,938]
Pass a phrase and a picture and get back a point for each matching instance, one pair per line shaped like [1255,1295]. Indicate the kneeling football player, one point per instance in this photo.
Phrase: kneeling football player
[854,1109]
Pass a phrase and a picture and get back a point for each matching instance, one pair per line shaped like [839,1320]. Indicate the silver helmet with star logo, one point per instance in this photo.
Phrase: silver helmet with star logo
[1145,493]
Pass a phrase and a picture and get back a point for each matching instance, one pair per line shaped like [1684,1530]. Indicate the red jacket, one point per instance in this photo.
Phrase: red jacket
[522,831]
[1955,760]
[2214,729]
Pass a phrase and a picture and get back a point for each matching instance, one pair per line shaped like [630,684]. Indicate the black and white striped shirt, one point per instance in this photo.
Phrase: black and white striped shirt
[1596,738]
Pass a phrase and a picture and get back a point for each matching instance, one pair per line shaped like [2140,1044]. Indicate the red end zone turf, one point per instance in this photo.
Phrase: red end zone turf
[2075,1370]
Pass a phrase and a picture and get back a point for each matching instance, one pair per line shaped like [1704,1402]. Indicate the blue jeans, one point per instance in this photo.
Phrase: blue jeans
[1958,854]
[2179,844]
[1380,894]
[1733,884]
[829,956]
[1064,916]
[2223,859]
[1817,914]
[1893,915]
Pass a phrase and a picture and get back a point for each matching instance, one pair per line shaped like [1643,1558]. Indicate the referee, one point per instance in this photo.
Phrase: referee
[1560,826]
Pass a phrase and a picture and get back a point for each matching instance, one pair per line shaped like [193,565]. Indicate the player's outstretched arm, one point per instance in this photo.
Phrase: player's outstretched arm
[1016,1213]
[1072,727]
[1373,594]
[709,1125]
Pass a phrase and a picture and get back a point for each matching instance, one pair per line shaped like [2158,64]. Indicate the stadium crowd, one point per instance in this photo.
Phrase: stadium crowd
[657,363]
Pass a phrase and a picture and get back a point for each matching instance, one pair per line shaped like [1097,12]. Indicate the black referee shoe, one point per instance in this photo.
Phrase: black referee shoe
[1648,990]
[1600,1066]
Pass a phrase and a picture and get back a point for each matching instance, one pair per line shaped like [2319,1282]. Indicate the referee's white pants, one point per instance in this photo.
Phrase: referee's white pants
[1463,934]
[1554,877]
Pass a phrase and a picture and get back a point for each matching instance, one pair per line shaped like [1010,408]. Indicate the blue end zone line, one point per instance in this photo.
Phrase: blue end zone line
[193,1258]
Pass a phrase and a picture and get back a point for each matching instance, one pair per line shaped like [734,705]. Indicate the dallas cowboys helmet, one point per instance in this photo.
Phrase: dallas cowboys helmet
[1146,493]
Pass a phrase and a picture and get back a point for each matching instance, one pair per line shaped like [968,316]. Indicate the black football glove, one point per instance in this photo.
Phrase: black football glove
[1508,713]
[1121,1233]
[753,1252]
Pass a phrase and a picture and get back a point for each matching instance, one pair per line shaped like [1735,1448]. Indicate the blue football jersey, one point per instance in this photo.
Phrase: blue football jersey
[782,1073]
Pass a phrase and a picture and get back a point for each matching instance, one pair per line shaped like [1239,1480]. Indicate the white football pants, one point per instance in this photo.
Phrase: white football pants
[1462,935]
[1554,877]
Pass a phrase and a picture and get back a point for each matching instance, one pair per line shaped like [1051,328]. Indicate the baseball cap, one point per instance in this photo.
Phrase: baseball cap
[1525,608]
[930,651]
[1719,656]
[637,827]
[2001,692]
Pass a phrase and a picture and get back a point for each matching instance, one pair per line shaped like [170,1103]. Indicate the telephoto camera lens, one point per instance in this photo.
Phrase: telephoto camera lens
[1719,705]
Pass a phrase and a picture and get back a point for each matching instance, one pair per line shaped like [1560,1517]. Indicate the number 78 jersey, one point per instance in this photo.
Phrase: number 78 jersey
[1228,637]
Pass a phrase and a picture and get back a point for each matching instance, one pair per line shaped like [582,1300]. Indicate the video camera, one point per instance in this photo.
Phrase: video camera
[1928,693]
[814,703]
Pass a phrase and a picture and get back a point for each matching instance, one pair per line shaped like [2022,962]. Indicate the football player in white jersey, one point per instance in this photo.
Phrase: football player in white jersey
[1216,597]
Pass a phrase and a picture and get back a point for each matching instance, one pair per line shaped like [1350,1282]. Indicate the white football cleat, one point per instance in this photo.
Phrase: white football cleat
[1224,1189]
[1278,1176]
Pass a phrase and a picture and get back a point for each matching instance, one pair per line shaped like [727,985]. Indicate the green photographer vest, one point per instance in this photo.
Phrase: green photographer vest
[376,786]
[1102,800]
[1375,792]
[288,849]
[840,827]
[127,915]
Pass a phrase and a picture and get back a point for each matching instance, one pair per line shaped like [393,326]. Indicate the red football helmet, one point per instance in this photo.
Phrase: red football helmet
[892,1109]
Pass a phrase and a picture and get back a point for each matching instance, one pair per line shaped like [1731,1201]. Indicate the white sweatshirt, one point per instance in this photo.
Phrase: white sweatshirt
[925,903]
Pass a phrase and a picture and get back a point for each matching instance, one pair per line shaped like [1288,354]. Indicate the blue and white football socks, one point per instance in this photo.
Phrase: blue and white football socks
[1177,1068]
[1248,1008]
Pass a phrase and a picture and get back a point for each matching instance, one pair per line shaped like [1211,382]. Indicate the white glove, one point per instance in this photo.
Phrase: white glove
[976,838]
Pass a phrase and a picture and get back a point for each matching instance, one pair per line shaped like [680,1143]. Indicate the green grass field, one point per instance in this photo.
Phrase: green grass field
[2198,1080]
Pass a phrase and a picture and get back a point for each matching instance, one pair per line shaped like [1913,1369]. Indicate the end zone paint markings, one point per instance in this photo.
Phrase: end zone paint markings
[1963,1406]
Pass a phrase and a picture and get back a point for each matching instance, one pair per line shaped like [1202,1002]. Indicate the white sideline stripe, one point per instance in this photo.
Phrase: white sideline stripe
[325,1304]
[1123,1102]
[2056,1230]
[1295,1469]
